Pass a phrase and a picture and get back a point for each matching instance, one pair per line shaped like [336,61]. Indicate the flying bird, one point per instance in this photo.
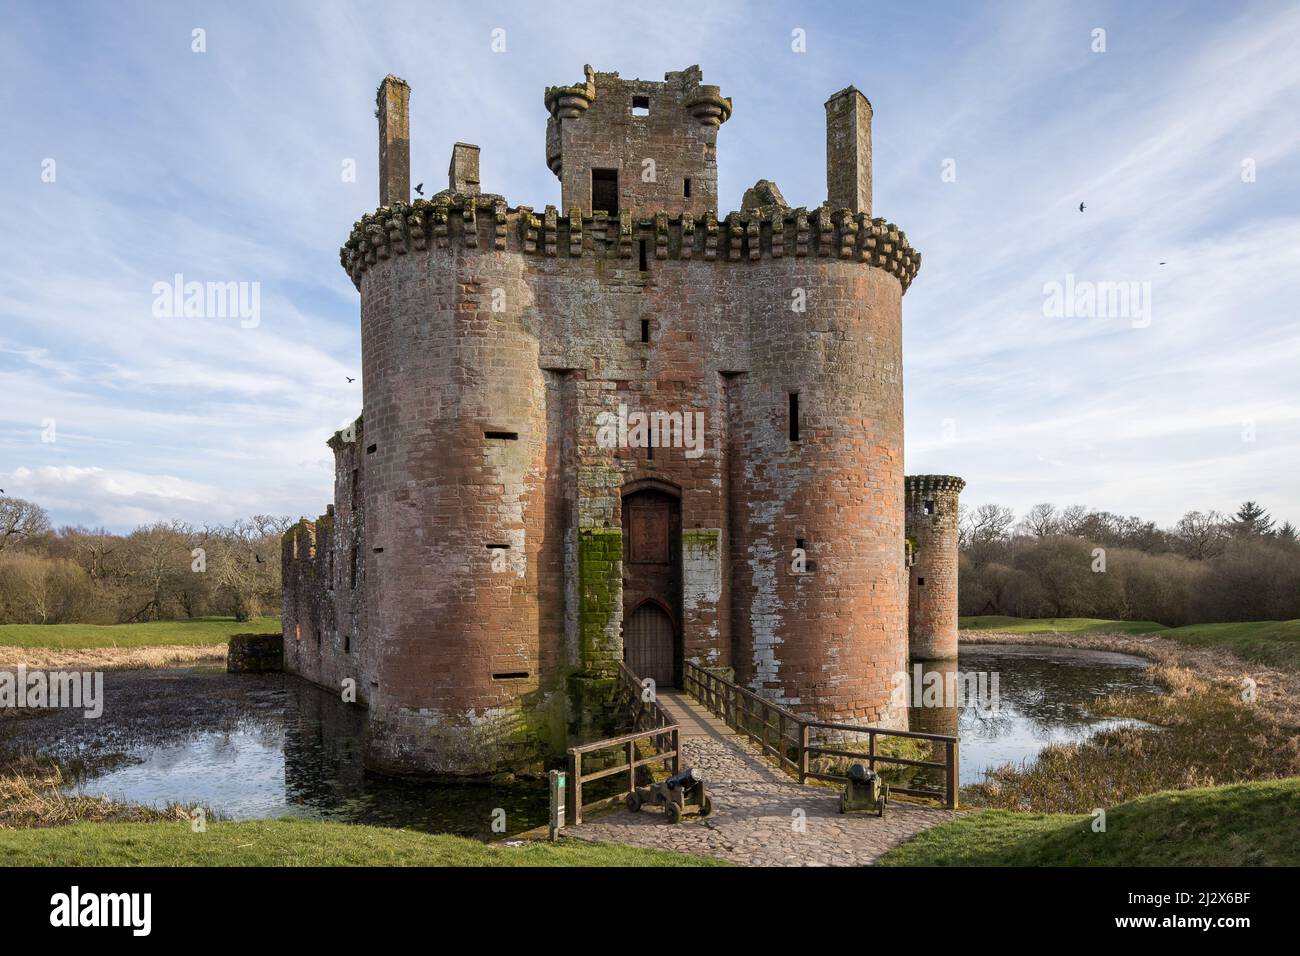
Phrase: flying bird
[419,188]
[1162,263]
[349,378]
[1082,207]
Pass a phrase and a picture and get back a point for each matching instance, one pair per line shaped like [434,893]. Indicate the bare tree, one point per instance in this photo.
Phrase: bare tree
[1041,520]
[20,520]
[1201,534]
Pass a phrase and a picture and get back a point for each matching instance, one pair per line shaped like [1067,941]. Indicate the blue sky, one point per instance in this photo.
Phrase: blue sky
[225,166]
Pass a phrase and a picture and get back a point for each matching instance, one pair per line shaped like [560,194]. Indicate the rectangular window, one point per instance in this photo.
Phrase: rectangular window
[502,436]
[645,330]
[510,675]
[347,642]
[604,191]
[686,187]
[920,582]
[794,416]
[645,265]
[640,106]
[929,507]
[354,569]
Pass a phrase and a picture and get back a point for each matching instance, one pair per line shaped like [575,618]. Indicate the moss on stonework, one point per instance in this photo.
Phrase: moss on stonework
[600,586]
[702,541]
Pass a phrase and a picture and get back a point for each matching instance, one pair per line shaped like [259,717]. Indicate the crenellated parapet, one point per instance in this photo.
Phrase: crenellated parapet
[486,222]
[922,488]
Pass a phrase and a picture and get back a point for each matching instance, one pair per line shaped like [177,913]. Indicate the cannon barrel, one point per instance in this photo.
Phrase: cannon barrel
[688,779]
[858,773]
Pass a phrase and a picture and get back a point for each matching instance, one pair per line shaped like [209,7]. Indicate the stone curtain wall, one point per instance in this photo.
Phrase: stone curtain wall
[932,518]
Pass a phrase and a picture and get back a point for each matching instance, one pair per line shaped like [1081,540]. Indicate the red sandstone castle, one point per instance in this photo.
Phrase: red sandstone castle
[623,429]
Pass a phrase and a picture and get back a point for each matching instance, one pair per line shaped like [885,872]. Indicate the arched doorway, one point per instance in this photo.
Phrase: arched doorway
[652,582]
[649,644]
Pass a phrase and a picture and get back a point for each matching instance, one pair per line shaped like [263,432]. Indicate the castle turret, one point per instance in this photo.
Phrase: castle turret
[638,146]
[932,585]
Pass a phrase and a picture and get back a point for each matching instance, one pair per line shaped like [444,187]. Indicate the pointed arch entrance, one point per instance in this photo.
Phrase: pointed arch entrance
[652,581]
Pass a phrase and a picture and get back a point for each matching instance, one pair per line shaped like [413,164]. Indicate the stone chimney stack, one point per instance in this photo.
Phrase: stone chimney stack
[462,175]
[848,151]
[392,106]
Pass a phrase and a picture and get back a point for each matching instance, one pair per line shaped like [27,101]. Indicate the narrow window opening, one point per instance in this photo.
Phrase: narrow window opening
[640,106]
[370,450]
[645,330]
[510,675]
[794,416]
[650,452]
[920,582]
[498,547]
[318,637]
[645,265]
[379,550]
[502,436]
[604,191]
[929,507]
[354,569]
[686,187]
[347,643]
[356,482]
[297,632]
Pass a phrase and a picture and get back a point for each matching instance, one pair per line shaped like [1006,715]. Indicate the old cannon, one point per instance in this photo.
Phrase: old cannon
[682,794]
[864,791]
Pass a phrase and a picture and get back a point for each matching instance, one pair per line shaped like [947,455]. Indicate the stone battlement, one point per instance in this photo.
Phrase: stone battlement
[920,487]
[487,222]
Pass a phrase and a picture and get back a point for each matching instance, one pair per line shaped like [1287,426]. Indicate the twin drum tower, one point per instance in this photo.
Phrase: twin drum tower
[489,559]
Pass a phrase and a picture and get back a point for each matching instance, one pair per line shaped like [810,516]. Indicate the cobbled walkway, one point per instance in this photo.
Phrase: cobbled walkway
[761,816]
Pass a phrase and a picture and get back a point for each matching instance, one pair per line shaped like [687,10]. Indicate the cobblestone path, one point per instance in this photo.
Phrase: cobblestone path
[761,816]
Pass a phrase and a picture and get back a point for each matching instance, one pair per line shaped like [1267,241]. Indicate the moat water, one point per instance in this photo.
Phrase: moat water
[273,746]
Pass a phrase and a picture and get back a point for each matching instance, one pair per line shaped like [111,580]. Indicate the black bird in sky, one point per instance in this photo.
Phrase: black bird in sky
[1081,207]
[349,378]
[419,188]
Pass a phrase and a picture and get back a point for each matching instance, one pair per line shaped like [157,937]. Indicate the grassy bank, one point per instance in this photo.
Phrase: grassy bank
[191,633]
[1272,643]
[1250,824]
[1056,625]
[300,843]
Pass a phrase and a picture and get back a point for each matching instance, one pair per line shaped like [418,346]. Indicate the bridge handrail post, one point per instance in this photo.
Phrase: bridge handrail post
[952,774]
[805,738]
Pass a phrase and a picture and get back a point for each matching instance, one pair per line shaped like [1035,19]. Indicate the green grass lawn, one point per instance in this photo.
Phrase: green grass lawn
[201,630]
[1056,625]
[1249,824]
[1275,643]
[300,843]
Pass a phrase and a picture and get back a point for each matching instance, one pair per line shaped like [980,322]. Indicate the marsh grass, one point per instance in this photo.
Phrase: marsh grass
[1204,735]
[32,796]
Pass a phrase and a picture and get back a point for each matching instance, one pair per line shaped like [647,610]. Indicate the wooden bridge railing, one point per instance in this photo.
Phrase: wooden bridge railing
[789,738]
[654,726]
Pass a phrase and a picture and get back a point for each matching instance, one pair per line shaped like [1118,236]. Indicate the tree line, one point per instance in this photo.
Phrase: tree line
[163,571]
[1080,562]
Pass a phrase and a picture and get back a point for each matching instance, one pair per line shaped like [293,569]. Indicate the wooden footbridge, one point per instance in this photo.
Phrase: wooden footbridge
[728,717]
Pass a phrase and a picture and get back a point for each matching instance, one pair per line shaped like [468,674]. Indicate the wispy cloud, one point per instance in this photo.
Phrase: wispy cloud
[226,166]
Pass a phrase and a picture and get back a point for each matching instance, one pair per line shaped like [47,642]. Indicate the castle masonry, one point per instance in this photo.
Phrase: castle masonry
[624,429]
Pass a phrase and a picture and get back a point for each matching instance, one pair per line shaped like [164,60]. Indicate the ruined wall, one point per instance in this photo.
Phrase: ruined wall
[324,631]
[932,519]
[596,125]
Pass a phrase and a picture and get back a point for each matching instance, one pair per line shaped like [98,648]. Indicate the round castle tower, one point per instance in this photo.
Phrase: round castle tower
[932,585]
[508,560]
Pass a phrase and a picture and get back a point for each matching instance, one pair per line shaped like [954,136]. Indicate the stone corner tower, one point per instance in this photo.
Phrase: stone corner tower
[932,582]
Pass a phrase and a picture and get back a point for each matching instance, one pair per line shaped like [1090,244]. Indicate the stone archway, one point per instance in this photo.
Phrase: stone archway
[652,583]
